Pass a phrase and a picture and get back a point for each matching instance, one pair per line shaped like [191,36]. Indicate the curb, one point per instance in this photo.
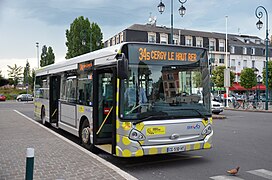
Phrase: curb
[218,116]
[249,110]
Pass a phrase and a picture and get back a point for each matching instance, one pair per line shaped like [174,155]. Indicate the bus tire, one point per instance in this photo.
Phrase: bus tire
[43,115]
[85,137]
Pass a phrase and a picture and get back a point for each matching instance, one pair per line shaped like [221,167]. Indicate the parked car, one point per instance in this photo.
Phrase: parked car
[217,107]
[2,97]
[24,97]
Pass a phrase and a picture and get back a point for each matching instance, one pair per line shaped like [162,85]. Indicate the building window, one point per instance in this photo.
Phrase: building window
[176,39]
[244,50]
[189,41]
[244,64]
[253,63]
[163,38]
[258,41]
[152,37]
[212,45]
[221,59]
[252,51]
[221,46]
[232,49]
[232,65]
[212,59]
[247,41]
[199,42]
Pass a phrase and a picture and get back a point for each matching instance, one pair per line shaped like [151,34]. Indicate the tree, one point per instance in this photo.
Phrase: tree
[3,81]
[218,76]
[47,56]
[79,36]
[269,75]
[31,83]
[248,78]
[15,74]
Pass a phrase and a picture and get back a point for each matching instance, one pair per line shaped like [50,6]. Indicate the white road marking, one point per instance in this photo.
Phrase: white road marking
[262,172]
[224,177]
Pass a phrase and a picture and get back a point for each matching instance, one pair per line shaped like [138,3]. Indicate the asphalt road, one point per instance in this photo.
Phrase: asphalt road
[242,139]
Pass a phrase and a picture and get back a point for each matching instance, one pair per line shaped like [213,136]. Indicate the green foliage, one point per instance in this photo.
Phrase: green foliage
[3,81]
[15,74]
[218,76]
[197,79]
[31,83]
[248,78]
[47,56]
[269,75]
[81,33]
[27,75]
[11,93]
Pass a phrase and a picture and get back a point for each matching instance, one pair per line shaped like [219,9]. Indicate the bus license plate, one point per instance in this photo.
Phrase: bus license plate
[176,149]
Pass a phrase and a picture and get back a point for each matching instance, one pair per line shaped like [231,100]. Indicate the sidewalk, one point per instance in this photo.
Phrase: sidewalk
[55,156]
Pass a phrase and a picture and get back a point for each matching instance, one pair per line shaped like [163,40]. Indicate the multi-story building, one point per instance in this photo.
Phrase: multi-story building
[243,50]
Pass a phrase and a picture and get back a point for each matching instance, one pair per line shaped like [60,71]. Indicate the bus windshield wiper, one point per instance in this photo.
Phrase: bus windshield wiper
[198,112]
[148,116]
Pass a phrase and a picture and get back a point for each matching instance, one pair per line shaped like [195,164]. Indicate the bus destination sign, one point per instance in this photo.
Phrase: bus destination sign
[157,55]
[152,54]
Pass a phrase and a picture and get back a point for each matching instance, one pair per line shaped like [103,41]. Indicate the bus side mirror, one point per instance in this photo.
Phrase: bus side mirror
[122,66]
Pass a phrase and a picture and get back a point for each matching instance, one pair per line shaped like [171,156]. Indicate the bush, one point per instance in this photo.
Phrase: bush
[12,93]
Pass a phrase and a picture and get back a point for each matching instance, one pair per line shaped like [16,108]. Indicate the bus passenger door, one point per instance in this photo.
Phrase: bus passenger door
[104,109]
[54,97]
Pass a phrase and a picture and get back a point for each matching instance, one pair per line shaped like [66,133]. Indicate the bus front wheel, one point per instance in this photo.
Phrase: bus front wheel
[85,136]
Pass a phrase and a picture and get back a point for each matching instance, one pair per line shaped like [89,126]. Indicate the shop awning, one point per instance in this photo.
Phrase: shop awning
[237,87]
[259,87]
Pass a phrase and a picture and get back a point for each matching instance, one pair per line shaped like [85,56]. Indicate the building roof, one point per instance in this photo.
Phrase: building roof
[234,39]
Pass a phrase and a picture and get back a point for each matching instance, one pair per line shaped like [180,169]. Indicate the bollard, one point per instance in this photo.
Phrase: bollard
[29,163]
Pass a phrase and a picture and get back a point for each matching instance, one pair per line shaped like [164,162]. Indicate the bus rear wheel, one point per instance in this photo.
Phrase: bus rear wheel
[43,115]
[85,137]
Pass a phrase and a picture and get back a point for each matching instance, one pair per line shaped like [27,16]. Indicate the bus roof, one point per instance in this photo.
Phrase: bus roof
[102,56]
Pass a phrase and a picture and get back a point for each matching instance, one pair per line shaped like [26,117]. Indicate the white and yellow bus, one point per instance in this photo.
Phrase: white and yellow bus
[132,99]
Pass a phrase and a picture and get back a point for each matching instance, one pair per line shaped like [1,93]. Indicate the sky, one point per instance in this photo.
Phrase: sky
[25,22]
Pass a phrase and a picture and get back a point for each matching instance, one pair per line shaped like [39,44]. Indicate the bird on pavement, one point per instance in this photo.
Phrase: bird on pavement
[233,171]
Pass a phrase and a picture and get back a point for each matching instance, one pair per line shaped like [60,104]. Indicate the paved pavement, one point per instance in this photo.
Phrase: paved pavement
[55,156]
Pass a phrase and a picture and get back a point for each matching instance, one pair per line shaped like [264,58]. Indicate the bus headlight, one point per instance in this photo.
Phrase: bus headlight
[136,135]
[207,130]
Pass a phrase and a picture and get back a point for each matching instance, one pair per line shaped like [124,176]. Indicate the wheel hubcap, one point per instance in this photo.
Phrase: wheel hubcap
[85,135]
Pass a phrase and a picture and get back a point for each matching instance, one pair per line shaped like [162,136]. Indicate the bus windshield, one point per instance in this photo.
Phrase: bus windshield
[164,92]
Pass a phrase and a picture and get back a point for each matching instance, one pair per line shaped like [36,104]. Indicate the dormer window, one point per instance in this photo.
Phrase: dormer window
[247,41]
[258,41]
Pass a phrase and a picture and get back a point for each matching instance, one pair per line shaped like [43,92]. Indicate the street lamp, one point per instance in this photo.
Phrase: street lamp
[259,24]
[182,10]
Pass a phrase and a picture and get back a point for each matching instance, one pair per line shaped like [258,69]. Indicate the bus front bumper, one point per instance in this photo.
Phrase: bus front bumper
[135,149]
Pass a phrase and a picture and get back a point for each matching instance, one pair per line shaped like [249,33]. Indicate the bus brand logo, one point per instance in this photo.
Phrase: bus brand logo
[197,126]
